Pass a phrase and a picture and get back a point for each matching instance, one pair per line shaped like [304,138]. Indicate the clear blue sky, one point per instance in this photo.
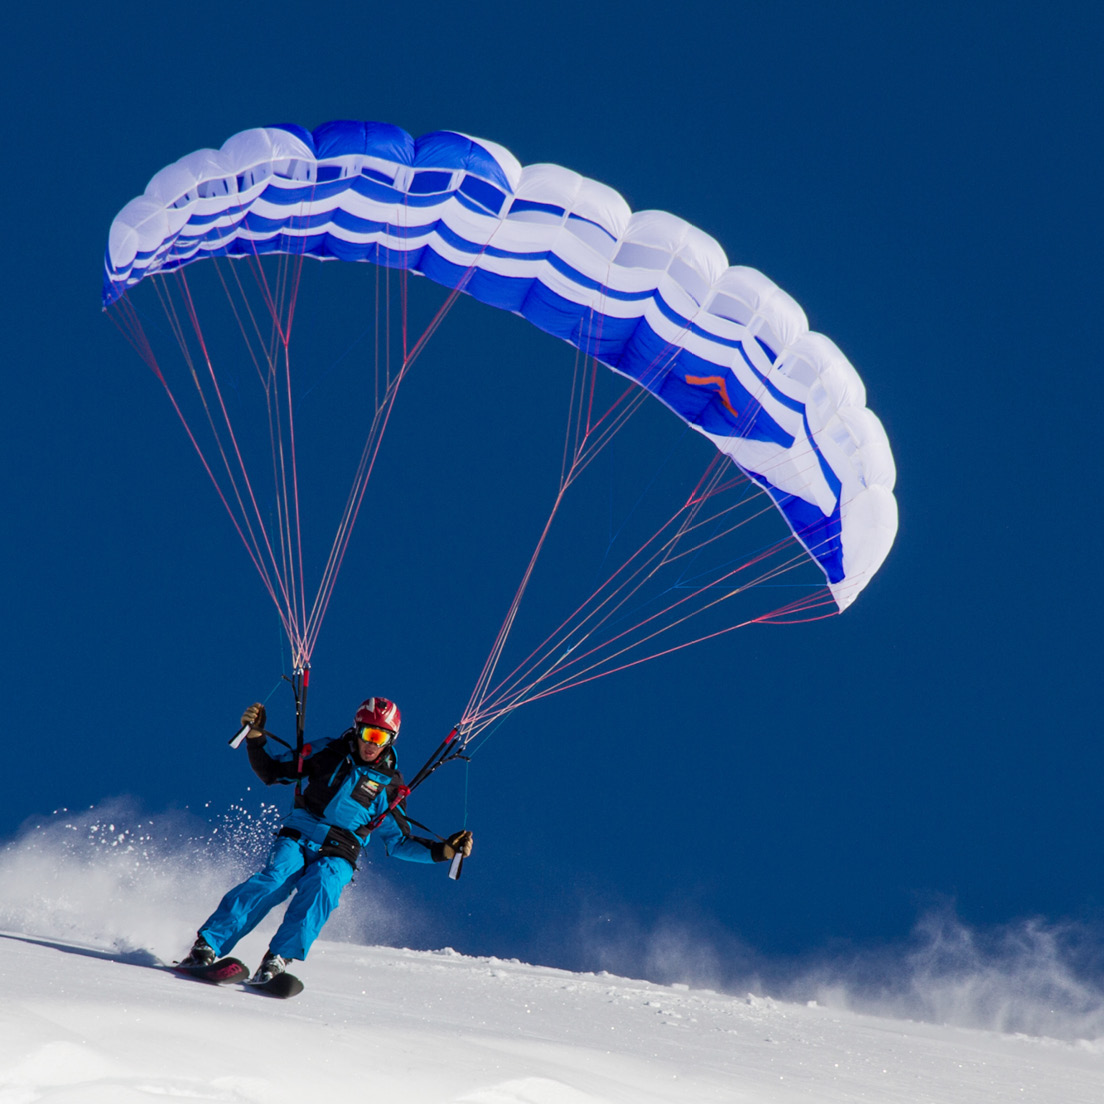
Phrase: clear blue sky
[925,181]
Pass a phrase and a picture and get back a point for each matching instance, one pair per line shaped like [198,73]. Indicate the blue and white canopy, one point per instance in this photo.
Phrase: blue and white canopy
[645,293]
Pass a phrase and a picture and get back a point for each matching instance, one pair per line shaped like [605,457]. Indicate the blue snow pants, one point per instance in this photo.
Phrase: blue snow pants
[293,866]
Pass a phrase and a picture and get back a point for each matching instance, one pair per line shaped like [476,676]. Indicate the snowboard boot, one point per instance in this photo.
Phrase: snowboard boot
[201,954]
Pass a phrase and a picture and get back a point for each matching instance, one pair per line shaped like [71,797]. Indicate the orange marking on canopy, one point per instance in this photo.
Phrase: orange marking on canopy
[721,389]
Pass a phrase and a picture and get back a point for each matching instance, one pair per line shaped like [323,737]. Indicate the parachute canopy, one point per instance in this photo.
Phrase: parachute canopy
[645,293]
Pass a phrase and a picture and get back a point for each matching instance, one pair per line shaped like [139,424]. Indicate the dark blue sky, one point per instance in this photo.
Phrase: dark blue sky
[925,181]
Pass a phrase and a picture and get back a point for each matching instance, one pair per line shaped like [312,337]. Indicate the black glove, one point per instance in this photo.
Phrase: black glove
[458,842]
[254,716]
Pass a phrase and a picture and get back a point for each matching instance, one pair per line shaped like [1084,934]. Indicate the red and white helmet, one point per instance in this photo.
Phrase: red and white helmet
[379,713]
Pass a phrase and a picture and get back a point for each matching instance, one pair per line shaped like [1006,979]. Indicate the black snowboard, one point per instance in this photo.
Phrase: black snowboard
[222,972]
[282,985]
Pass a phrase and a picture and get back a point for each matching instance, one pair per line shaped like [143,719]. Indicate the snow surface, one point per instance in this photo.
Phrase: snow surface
[94,1019]
[86,1026]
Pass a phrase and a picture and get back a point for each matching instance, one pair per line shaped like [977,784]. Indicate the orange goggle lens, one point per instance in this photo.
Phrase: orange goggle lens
[369,734]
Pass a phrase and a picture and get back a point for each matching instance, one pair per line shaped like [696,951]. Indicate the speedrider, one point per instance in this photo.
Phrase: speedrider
[352,788]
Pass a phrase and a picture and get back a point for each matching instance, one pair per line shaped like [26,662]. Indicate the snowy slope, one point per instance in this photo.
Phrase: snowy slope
[86,1026]
[91,902]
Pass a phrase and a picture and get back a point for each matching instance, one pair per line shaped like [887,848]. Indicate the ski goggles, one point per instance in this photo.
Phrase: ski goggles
[370,734]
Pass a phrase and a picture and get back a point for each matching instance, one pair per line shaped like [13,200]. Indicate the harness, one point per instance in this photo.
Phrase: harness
[339,841]
[348,785]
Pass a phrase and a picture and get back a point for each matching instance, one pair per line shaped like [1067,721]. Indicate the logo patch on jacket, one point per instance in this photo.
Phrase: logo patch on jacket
[364,792]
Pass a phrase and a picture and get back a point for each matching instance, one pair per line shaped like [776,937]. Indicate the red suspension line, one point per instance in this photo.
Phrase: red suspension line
[141,343]
[574,413]
[263,377]
[559,637]
[276,302]
[367,464]
[497,648]
[283,449]
[581,459]
[768,619]
[288,605]
[504,705]
[280,301]
[291,595]
[270,387]
[500,640]
[557,640]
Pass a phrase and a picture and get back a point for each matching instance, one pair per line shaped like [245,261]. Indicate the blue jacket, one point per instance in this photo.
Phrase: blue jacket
[340,797]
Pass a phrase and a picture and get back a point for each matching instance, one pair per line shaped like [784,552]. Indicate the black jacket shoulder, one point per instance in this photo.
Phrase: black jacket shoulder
[271,770]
